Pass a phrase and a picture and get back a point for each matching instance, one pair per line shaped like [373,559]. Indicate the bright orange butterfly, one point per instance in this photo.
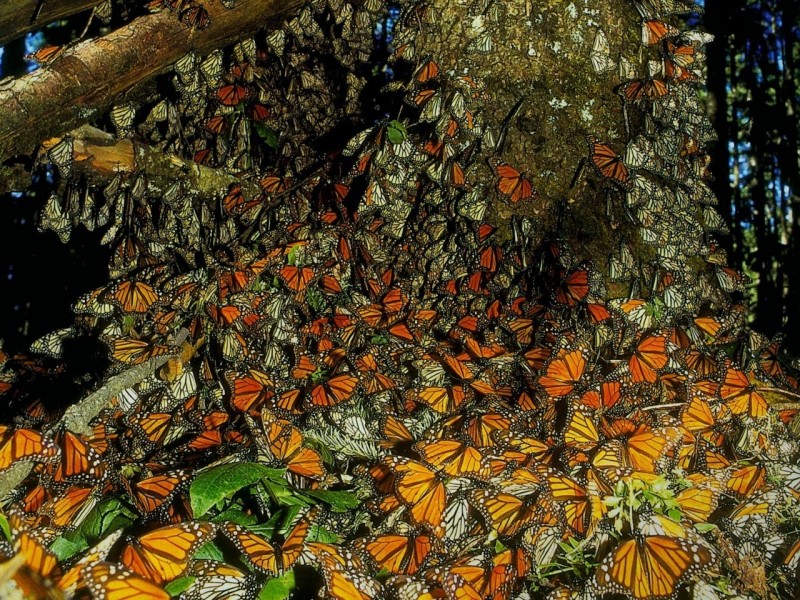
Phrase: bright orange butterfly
[108,581]
[232,94]
[398,553]
[444,400]
[130,351]
[267,557]
[163,554]
[26,444]
[249,390]
[155,492]
[285,444]
[608,163]
[453,458]
[422,490]
[650,356]
[574,288]
[296,278]
[740,395]
[564,372]
[650,567]
[132,296]
[653,31]
[505,513]
[649,88]
[512,184]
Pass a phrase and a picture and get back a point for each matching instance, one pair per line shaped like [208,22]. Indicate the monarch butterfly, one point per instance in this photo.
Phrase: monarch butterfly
[272,184]
[163,554]
[512,184]
[420,489]
[505,513]
[453,458]
[650,567]
[45,54]
[130,351]
[426,71]
[270,558]
[650,356]
[653,31]
[372,379]
[232,94]
[444,400]
[635,446]
[574,287]
[572,499]
[334,391]
[649,88]
[26,444]
[285,444]
[581,431]
[249,390]
[107,581]
[563,373]
[344,580]
[155,492]
[741,396]
[78,460]
[218,581]
[132,296]
[398,553]
[747,480]
[608,164]
[699,501]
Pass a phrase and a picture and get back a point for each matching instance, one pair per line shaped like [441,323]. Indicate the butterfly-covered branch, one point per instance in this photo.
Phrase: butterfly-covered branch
[102,156]
[85,79]
[18,17]
[77,417]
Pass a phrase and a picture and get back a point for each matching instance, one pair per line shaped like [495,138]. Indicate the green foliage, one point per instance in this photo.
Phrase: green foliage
[632,494]
[106,517]
[576,559]
[178,586]
[219,483]
[278,588]
[396,132]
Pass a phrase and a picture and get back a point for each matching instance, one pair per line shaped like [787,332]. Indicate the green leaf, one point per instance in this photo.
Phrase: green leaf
[236,515]
[178,586]
[5,527]
[209,551]
[109,515]
[338,501]
[705,527]
[223,481]
[396,132]
[320,534]
[268,134]
[278,588]
[64,548]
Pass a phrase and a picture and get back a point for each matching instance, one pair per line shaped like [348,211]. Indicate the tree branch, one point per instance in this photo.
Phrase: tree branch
[101,156]
[17,16]
[85,79]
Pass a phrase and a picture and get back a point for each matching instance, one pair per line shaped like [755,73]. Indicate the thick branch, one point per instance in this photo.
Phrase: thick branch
[87,78]
[17,16]
[101,156]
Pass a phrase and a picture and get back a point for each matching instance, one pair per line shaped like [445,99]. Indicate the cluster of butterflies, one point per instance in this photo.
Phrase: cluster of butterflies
[359,324]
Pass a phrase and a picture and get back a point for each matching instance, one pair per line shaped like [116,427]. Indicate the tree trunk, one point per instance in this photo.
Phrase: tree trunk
[86,79]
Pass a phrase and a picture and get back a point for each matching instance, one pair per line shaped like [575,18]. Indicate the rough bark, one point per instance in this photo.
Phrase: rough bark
[86,79]
[18,17]
[100,157]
